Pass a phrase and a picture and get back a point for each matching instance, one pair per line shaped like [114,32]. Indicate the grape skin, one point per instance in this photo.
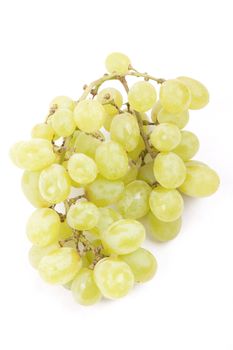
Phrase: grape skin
[117,62]
[142,96]
[175,96]
[82,168]
[163,231]
[83,215]
[89,115]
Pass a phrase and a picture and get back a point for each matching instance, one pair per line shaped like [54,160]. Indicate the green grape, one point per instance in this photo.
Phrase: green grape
[131,174]
[30,187]
[113,277]
[146,173]
[117,62]
[142,96]
[108,122]
[36,253]
[145,118]
[169,170]
[54,184]
[103,192]
[166,205]
[89,115]
[175,97]
[138,150]
[123,236]
[163,231]
[83,215]
[60,266]
[43,227]
[142,263]
[109,96]
[83,143]
[33,155]
[155,110]
[84,288]
[201,181]
[165,137]
[42,131]
[125,130]
[62,102]
[112,160]
[82,168]
[199,93]
[65,231]
[106,217]
[134,202]
[63,122]
[188,145]
[179,119]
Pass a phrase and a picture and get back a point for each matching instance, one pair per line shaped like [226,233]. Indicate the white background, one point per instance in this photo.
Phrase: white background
[50,48]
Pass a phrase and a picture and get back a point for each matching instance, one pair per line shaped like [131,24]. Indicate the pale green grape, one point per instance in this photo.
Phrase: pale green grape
[112,160]
[54,184]
[62,102]
[36,253]
[179,119]
[165,137]
[60,266]
[131,174]
[83,143]
[142,96]
[155,110]
[166,205]
[42,131]
[65,231]
[103,192]
[109,96]
[33,155]
[201,181]
[84,288]
[30,187]
[134,202]
[108,122]
[63,122]
[106,217]
[163,231]
[117,62]
[89,115]
[82,168]
[137,151]
[188,145]
[142,263]
[43,227]
[146,173]
[113,277]
[199,93]
[123,236]
[169,170]
[174,96]
[83,215]
[125,130]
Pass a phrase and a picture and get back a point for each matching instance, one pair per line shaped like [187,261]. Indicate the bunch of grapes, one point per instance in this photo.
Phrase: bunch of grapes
[99,165]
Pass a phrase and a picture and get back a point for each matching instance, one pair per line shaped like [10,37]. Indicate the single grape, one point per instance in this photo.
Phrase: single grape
[62,102]
[106,217]
[83,215]
[123,236]
[65,231]
[112,160]
[142,263]
[113,277]
[111,99]
[30,187]
[169,170]
[188,145]
[63,122]
[89,115]
[166,205]
[142,96]
[174,96]
[138,150]
[42,131]
[155,110]
[163,231]
[199,93]
[36,253]
[60,266]
[117,62]
[134,202]
[84,143]
[146,173]
[165,137]
[179,119]
[82,168]
[131,174]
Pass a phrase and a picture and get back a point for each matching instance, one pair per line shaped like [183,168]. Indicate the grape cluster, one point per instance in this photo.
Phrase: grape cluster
[99,165]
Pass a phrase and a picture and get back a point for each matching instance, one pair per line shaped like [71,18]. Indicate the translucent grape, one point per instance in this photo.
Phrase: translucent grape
[117,62]
[146,173]
[114,97]
[36,253]
[199,93]
[42,131]
[82,168]
[65,231]
[60,266]
[134,202]
[169,170]
[179,119]
[54,184]
[137,151]
[83,143]
[131,174]
[106,217]
[112,160]
[155,110]
[163,231]
[30,187]
[123,236]
[201,181]
[83,215]
[174,96]
[165,137]
[142,263]
[33,155]
[166,205]
[188,145]
[89,115]
[84,288]
[63,122]
[113,277]
[62,102]
[142,96]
